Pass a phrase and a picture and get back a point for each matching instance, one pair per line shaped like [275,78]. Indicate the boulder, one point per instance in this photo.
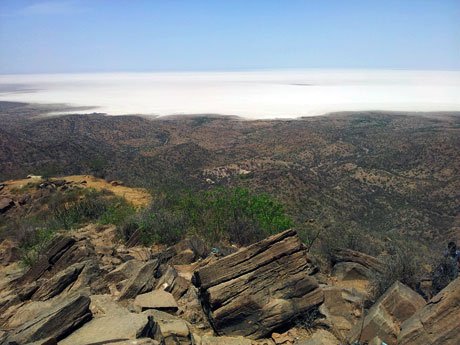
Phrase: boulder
[169,329]
[143,281]
[348,255]
[189,250]
[157,299]
[62,253]
[438,322]
[351,271]
[260,288]
[55,322]
[109,329]
[58,283]
[340,307]
[171,282]
[212,340]
[5,204]
[321,337]
[385,317]
[9,252]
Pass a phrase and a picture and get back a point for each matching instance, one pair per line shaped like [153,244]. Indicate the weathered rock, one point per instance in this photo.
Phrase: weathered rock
[351,271]
[189,250]
[104,305]
[124,271]
[5,204]
[62,253]
[375,341]
[348,255]
[259,288]
[109,329]
[385,317]
[9,252]
[320,337]
[212,340]
[437,322]
[157,299]
[171,282]
[143,281]
[170,330]
[58,283]
[340,307]
[55,322]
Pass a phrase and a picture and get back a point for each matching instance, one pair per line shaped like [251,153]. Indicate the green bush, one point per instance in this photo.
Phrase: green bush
[404,266]
[218,215]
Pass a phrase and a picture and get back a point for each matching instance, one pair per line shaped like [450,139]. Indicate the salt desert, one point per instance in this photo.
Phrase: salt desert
[249,94]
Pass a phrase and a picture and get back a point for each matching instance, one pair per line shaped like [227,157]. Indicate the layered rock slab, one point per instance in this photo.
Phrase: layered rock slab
[55,322]
[385,317]
[438,322]
[259,288]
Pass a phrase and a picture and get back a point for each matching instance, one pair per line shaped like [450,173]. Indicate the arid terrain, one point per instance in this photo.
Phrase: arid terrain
[374,173]
[212,230]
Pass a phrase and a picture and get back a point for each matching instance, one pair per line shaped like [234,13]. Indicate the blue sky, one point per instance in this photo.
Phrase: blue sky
[166,35]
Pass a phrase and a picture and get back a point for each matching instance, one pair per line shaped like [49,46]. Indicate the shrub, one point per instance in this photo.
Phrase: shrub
[404,265]
[217,215]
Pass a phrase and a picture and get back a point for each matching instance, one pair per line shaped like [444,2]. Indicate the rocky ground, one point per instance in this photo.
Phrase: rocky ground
[89,288]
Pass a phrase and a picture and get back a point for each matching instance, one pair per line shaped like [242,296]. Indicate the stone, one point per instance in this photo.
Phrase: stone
[62,253]
[340,307]
[5,204]
[212,340]
[157,299]
[351,271]
[171,282]
[143,281]
[258,289]
[438,322]
[321,337]
[189,250]
[169,329]
[385,317]
[55,322]
[9,252]
[58,283]
[104,305]
[109,329]
[375,341]
[348,255]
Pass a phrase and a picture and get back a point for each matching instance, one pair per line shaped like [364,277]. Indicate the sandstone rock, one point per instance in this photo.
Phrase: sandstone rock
[385,317]
[189,250]
[321,337]
[212,340]
[438,322]
[109,329]
[142,282]
[348,255]
[55,322]
[5,204]
[375,341]
[58,283]
[170,330]
[340,307]
[62,253]
[104,305]
[157,299]
[259,288]
[9,252]
[171,282]
[351,271]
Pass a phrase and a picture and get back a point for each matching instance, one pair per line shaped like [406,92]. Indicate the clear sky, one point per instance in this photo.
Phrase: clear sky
[167,35]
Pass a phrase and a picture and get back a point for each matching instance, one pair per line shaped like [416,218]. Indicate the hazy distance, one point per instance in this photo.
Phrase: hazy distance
[251,94]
